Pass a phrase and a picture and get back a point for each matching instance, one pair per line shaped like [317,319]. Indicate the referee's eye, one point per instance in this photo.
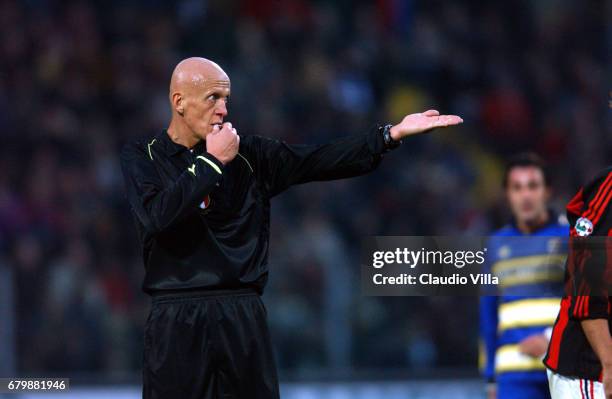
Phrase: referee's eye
[215,97]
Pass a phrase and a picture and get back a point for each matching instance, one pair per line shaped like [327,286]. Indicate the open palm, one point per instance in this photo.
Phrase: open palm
[422,122]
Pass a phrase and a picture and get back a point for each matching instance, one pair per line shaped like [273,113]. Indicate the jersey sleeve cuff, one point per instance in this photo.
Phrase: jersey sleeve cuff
[211,161]
[376,142]
[592,316]
[587,307]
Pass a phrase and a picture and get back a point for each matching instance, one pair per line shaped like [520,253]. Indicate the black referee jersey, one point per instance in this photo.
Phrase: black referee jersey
[587,281]
[204,229]
[205,225]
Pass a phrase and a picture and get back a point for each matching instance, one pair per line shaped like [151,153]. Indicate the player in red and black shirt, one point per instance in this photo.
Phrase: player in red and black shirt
[579,355]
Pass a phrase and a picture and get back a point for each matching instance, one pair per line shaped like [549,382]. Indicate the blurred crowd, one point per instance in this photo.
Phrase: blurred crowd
[80,78]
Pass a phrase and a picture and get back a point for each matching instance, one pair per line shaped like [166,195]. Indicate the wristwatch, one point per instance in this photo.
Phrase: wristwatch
[389,142]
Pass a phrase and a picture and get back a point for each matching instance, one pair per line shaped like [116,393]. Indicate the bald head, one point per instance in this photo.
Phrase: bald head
[197,73]
[199,90]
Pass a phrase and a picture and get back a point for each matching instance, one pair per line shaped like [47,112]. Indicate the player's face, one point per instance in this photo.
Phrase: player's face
[207,107]
[527,194]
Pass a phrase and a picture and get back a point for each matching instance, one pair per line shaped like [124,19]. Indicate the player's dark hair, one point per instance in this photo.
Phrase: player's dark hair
[526,159]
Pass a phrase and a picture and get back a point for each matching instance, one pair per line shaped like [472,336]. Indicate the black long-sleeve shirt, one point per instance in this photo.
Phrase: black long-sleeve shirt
[204,225]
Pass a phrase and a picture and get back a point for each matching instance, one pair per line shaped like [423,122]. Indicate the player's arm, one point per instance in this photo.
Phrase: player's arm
[597,332]
[282,165]
[158,207]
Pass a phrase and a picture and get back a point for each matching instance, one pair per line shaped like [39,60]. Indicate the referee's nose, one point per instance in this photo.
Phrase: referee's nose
[221,108]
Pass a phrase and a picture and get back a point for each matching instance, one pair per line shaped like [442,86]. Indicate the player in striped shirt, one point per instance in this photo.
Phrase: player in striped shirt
[527,256]
[579,356]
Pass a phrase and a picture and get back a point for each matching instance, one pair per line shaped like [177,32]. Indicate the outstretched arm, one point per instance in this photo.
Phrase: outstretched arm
[280,165]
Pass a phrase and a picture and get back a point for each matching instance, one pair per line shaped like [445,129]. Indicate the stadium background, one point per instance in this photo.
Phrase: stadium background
[79,78]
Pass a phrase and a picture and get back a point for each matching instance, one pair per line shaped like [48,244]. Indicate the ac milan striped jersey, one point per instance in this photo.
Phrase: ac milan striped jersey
[569,351]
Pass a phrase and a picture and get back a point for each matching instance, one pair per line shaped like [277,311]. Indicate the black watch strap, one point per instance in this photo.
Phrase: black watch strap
[389,142]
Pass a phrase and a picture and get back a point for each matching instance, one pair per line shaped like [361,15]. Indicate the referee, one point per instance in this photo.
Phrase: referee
[200,195]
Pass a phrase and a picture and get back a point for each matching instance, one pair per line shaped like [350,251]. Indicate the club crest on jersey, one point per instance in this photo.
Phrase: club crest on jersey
[206,203]
[584,227]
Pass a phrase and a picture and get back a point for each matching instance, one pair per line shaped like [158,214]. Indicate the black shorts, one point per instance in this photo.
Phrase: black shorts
[208,345]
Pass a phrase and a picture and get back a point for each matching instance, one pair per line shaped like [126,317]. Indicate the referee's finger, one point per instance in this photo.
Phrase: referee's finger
[448,120]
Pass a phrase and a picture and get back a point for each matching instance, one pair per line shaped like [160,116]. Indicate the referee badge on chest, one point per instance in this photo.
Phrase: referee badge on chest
[584,227]
[206,203]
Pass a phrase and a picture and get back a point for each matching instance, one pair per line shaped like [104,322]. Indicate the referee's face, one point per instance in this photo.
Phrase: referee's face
[206,106]
[527,194]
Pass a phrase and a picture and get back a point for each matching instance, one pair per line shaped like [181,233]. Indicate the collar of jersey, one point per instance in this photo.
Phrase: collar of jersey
[171,148]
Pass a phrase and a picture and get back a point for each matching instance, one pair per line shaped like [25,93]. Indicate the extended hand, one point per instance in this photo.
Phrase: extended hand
[423,122]
[534,345]
[223,143]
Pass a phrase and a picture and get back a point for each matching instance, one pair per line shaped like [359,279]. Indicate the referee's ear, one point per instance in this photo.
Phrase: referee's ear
[177,103]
